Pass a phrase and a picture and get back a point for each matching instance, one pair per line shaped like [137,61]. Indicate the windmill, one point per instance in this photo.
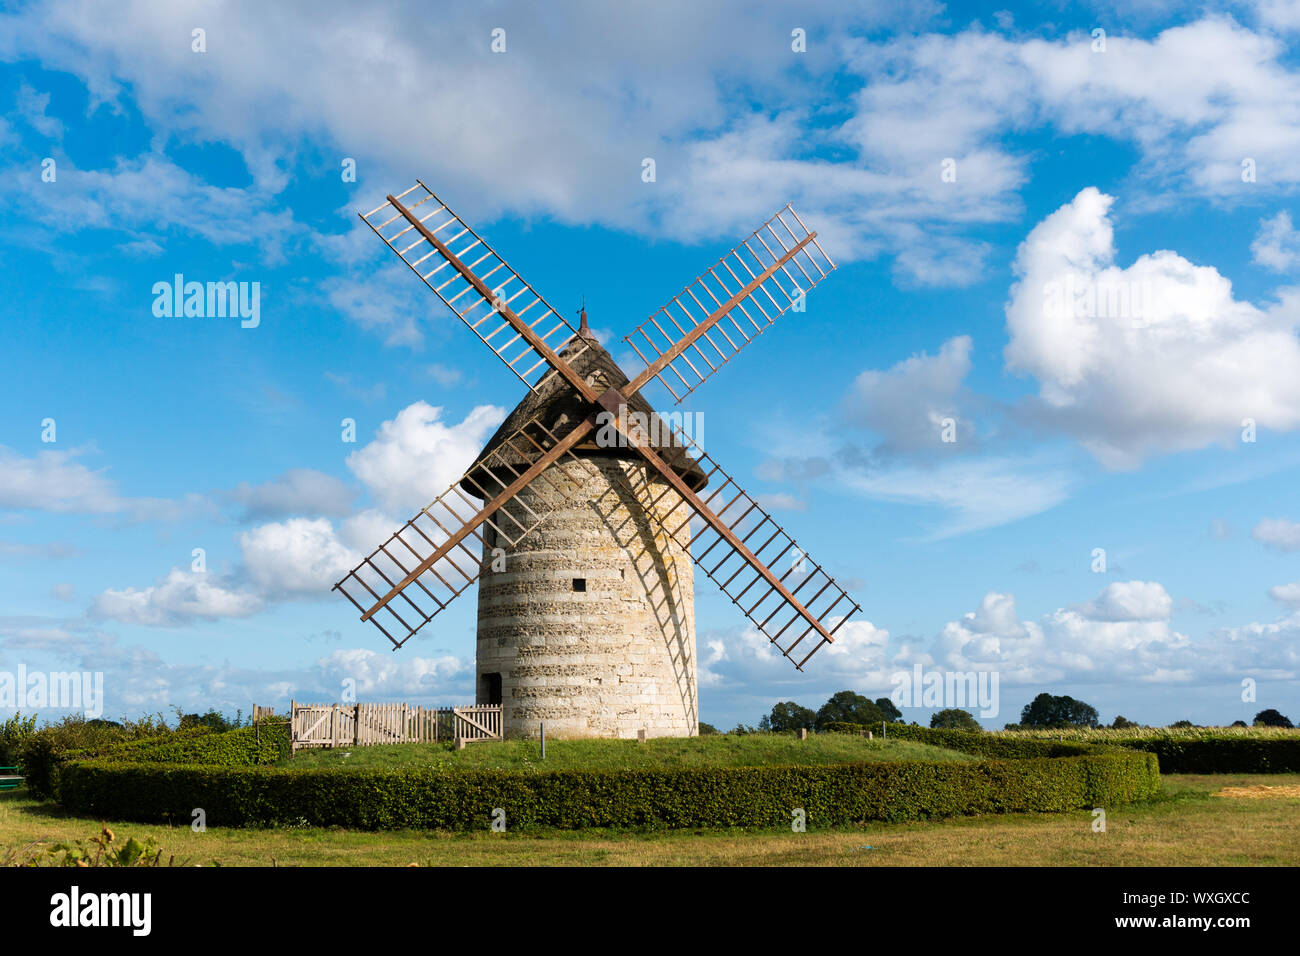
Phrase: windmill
[584,514]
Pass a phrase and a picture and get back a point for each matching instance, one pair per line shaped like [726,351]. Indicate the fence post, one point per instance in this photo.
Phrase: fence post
[293,730]
[334,725]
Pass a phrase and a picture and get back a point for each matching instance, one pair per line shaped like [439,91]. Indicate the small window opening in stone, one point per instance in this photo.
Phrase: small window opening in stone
[579,584]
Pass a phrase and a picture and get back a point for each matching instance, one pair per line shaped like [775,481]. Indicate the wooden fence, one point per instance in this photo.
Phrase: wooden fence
[358,725]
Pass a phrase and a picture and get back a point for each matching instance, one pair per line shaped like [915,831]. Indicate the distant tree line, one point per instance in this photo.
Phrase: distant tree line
[1045,711]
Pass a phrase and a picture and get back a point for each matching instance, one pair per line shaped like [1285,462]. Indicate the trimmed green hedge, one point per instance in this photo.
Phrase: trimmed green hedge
[982,744]
[246,747]
[1236,754]
[1204,752]
[642,799]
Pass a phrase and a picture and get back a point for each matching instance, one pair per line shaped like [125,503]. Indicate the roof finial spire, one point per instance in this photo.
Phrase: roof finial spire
[582,320]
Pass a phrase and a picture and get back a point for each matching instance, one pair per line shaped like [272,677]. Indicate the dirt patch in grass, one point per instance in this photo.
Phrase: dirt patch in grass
[1259,792]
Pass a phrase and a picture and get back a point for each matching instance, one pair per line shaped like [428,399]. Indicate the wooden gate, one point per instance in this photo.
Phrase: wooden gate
[360,725]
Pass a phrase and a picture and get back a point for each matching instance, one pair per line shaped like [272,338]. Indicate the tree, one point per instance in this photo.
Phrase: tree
[955,719]
[1240,723]
[706,729]
[850,708]
[1046,710]
[892,713]
[214,720]
[1271,718]
[787,717]
[1122,723]
[1182,724]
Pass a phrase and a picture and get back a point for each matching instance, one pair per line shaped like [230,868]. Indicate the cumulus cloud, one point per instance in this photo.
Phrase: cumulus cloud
[748,658]
[1130,601]
[1194,99]
[416,456]
[1154,357]
[180,598]
[298,557]
[392,676]
[1125,632]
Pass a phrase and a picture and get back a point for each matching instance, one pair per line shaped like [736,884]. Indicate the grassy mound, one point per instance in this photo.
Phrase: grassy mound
[721,750]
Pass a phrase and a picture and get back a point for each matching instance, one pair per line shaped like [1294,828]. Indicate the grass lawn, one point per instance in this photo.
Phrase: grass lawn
[714,750]
[1188,825]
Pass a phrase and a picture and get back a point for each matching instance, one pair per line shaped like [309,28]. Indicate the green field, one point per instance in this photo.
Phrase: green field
[1188,825]
[714,750]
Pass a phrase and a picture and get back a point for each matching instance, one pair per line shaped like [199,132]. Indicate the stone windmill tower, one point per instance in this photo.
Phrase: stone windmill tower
[583,516]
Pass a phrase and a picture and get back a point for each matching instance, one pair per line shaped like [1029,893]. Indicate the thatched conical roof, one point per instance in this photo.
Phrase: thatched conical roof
[559,407]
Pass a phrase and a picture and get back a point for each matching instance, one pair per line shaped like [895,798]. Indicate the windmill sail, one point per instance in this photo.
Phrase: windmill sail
[428,562]
[811,609]
[734,301]
[441,249]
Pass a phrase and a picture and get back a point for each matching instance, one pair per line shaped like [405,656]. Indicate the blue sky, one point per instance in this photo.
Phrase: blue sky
[1162,157]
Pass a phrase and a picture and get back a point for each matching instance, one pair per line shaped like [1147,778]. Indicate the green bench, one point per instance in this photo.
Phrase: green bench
[9,778]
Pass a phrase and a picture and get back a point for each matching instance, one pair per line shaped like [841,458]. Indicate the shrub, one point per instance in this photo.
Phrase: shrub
[787,716]
[14,733]
[213,720]
[262,744]
[1272,718]
[1222,753]
[40,751]
[250,746]
[955,719]
[429,797]
[1047,710]
[846,706]
[1195,749]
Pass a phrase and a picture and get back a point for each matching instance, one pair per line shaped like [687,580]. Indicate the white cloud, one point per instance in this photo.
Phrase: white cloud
[1158,356]
[1278,244]
[299,557]
[31,106]
[1278,533]
[393,676]
[1282,15]
[416,456]
[1195,99]
[1123,633]
[906,404]
[748,658]
[1130,601]
[297,491]
[55,481]
[138,194]
[975,493]
[661,82]
[178,599]
[1286,593]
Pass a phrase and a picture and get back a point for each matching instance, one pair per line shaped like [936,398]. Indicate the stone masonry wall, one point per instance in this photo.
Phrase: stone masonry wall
[609,660]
